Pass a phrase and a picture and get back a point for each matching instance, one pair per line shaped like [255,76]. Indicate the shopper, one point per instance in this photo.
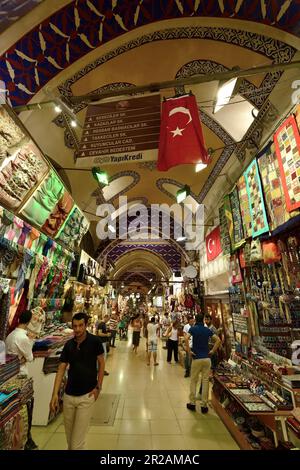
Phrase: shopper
[136,326]
[17,342]
[104,336]
[172,341]
[201,362]
[152,330]
[82,354]
[209,324]
[166,322]
[113,327]
[188,357]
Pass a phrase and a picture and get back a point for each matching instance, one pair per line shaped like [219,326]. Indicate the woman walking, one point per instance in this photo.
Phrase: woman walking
[137,326]
[172,341]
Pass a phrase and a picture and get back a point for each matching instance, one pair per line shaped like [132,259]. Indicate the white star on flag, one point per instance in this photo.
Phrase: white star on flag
[177,131]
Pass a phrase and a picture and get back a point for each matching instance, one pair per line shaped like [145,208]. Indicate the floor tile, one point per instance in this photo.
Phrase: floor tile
[167,442]
[165,426]
[100,442]
[135,426]
[134,443]
[57,442]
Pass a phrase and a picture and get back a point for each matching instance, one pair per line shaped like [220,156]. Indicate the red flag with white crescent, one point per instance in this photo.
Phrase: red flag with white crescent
[213,244]
[181,139]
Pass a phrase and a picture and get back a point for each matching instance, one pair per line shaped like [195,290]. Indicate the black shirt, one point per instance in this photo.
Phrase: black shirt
[103,328]
[82,375]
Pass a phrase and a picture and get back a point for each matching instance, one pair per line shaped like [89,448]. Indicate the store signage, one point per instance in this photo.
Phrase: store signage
[123,131]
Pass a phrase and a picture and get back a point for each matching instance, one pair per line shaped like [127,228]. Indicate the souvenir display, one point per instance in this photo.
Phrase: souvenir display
[258,213]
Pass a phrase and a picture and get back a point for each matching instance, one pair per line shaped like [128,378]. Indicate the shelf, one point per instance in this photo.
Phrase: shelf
[230,424]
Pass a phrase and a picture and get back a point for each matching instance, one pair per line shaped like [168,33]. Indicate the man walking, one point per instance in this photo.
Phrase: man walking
[83,354]
[201,362]
[188,357]
[104,336]
[152,330]
[113,327]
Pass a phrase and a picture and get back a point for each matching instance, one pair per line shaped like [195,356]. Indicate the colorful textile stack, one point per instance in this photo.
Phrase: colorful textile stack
[10,368]
[9,403]
[23,385]
[13,432]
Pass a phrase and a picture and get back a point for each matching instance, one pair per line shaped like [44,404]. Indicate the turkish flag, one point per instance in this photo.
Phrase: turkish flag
[213,244]
[181,139]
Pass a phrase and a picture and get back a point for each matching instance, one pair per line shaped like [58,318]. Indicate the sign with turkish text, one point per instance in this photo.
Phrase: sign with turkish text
[121,131]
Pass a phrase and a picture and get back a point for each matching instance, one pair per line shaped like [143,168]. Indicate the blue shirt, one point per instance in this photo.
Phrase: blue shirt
[201,335]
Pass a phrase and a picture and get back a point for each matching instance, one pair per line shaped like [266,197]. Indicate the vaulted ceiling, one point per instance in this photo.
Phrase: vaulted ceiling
[70,48]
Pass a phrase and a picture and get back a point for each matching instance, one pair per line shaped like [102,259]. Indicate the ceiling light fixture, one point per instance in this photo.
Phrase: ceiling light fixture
[57,109]
[183,193]
[73,123]
[200,166]
[100,176]
[224,94]
[181,239]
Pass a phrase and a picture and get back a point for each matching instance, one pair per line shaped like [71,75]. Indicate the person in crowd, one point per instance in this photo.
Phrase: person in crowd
[113,327]
[104,336]
[165,324]
[122,328]
[136,334]
[84,354]
[17,342]
[188,358]
[209,324]
[152,330]
[201,362]
[172,341]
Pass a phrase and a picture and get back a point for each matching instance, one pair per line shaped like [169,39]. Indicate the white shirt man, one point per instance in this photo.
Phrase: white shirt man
[17,342]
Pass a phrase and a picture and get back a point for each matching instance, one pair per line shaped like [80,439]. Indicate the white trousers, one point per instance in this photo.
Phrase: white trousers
[77,416]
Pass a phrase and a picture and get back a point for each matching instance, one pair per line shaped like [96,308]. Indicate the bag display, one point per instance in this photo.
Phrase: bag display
[271,252]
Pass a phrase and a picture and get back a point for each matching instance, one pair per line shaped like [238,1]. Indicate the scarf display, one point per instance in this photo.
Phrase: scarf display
[238,232]
[287,145]
[74,228]
[225,237]
[258,213]
[272,187]
[244,206]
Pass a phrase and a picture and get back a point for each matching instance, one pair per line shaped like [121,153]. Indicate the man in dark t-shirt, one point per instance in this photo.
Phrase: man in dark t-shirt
[201,363]
[84,355]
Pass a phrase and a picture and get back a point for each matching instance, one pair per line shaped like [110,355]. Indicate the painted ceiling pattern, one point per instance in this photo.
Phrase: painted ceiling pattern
[12,10]
[83,25]
[168,252]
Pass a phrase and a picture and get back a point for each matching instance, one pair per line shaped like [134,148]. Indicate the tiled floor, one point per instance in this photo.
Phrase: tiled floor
[152,412]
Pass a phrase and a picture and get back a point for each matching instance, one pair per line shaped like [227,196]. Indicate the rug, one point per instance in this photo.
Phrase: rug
[258,213]
[105,410]
[244,206]
[287,145]
[238,232]
[225,237]
[272,187]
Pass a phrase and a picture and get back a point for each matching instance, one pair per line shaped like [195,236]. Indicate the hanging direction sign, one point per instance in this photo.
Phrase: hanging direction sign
[121,131]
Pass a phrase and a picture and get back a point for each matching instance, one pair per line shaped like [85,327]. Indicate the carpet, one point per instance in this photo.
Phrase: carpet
[105,410]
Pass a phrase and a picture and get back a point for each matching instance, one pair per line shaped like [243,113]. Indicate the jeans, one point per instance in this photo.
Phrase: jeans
[188,362]
[113,337]
[172,346]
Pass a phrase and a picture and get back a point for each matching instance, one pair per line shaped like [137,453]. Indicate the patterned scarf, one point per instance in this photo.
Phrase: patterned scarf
[256,200]
[238,233]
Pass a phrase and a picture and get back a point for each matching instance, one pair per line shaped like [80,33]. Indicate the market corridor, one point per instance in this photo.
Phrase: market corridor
[152,412]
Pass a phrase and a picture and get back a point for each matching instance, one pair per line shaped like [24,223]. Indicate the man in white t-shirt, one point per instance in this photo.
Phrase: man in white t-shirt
[188,357]
[152,329]
[17,342]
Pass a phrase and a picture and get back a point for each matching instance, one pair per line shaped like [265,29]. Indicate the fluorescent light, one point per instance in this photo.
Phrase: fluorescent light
[57,109]
[100,175]
[181,239]
[182,194]
[224,94]
[73,123]
[200,166]
[112,228]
